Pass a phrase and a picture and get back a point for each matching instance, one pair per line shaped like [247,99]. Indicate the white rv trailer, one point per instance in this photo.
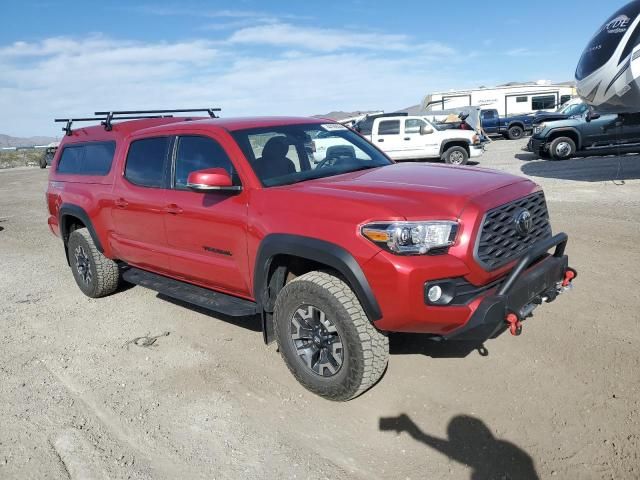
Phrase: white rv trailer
[508,99]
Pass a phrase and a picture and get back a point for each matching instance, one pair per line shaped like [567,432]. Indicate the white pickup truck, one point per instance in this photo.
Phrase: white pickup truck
[406,137]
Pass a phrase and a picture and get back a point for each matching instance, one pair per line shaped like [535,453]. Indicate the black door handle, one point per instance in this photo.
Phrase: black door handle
[407,138]
[381,139]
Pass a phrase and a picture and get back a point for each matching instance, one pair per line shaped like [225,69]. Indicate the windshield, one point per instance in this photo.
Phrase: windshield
[575,109]
[287,154]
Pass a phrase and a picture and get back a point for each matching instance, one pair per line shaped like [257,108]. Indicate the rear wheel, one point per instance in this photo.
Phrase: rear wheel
[326,339]
[95,274]
[456,156]
[562,148]
[515,133]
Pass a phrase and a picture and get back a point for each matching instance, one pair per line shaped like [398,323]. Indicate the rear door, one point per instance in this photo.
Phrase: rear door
[387,136]
[139,205]
[206,232]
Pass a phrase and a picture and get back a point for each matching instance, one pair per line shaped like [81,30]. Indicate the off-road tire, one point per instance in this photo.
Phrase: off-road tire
[104,272]
[562,148]
[515,133]
[43,161]
[456,156]
[365,349]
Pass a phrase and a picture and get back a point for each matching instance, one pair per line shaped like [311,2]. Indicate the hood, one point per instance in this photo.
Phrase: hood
[409,190]
[549,117]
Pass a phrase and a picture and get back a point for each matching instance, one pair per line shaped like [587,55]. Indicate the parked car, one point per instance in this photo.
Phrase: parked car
[232,215]
[404,137]
[47,156]
[512,127]
[590,134]
[573,108]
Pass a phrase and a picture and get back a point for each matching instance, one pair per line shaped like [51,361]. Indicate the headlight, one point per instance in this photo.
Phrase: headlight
[539,128]
[411,238]
[475,139]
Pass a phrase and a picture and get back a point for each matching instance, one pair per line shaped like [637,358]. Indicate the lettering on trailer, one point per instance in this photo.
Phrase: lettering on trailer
[620,24]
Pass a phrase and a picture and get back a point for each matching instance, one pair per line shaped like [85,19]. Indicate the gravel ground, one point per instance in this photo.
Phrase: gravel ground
[209,400]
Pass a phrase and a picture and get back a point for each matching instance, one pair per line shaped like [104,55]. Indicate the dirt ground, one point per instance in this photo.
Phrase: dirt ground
[209,400]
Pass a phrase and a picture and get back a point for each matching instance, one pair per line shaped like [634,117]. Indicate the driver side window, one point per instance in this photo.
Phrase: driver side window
[413,125]
[199,153]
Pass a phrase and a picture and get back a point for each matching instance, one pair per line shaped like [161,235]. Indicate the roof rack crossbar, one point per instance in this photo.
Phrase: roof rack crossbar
[210,111]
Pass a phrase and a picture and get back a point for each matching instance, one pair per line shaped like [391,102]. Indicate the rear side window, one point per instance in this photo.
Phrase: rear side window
[147,162]
[92,158]
[522,99]
[389,127]
[199,153]
[564,99]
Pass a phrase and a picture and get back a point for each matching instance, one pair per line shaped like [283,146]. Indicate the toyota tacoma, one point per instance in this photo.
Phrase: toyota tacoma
[334,254]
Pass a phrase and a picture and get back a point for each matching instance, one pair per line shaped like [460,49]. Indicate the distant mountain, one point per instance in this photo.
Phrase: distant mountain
[7,141]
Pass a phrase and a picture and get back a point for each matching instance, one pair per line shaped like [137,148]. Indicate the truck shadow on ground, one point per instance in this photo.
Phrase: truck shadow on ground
[471,443]
[252,323]
[422,344]
[584,169]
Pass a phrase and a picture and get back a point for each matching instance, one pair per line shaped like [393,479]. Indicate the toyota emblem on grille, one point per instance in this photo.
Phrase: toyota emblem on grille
[523,222]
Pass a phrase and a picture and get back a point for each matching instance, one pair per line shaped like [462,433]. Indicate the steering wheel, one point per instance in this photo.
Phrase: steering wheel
[330,161]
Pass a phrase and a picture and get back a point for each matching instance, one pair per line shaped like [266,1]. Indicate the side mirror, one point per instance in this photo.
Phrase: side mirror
[592,116]
[425,130]
[211,179]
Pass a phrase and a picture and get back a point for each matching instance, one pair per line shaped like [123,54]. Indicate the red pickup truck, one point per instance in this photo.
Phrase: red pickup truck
[233,215]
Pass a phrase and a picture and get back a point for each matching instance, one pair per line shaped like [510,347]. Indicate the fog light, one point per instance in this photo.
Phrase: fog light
[434,294]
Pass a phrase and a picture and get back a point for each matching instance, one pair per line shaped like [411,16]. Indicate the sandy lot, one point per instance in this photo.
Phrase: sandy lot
[211,401]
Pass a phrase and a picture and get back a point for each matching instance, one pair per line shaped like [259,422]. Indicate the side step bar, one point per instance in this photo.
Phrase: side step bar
[202,297]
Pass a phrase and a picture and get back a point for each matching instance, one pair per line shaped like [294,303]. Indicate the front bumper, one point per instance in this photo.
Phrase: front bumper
[536,145]
[476,150]
[522,291]
[477,312]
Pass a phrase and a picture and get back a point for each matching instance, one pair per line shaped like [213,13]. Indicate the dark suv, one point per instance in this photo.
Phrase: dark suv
[333,253]
[590,134]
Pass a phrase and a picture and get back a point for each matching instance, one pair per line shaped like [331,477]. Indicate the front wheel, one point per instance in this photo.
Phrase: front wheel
[562,148]
[456,156]
[326,339]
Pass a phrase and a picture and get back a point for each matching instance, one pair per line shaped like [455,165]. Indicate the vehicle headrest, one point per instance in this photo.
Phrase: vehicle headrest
[276,147]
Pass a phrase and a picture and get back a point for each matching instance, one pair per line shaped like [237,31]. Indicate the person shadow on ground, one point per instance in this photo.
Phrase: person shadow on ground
[471,443]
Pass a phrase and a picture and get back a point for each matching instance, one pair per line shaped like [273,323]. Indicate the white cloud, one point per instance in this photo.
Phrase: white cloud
[70,76]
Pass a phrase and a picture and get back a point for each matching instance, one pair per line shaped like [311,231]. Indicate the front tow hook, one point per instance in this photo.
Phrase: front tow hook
[515,325]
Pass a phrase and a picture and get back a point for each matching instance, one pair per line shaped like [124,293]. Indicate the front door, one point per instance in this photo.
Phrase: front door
[599,132]
[420,144]
[139,205]
[206,232]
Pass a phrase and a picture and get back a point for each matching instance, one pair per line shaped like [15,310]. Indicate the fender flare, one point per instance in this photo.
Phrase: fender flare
[447,141]
[315,250]
[69,209]
[566,129]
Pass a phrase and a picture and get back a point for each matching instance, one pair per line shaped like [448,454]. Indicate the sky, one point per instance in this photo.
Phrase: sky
[67,58]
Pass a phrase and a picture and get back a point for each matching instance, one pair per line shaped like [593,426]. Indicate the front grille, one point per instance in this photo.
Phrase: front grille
[500,242]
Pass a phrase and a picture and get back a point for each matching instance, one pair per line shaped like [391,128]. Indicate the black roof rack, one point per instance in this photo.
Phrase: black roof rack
[106,118]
